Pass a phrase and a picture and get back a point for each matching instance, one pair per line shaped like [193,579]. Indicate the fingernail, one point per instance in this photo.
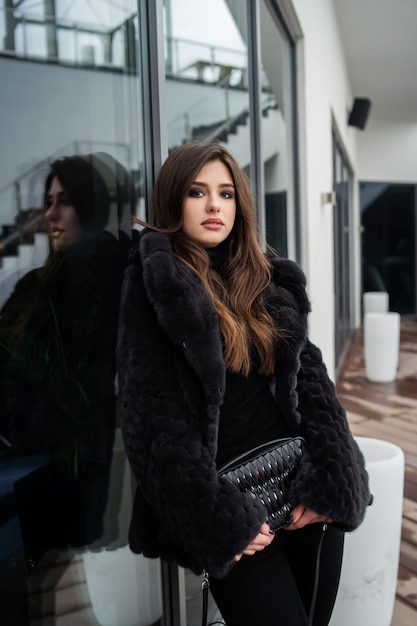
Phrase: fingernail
[290,519]
[271,531]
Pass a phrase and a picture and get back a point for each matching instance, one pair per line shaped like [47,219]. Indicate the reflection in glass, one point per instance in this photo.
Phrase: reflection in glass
[207,74]
[57,341]
[58,326]
[76,32]
[276,132]
[70,86]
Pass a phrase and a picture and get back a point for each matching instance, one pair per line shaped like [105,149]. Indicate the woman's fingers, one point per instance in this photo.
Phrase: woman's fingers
[302,516]
[264,529]
[261,541]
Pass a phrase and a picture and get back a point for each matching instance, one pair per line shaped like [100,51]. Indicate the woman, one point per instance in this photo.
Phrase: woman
[214,359]
[58,328]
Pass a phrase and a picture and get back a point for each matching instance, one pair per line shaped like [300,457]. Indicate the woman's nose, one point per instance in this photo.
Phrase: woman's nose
[213,204]
[50,211]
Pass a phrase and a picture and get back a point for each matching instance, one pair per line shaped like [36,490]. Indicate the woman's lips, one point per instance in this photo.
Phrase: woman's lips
[212,224]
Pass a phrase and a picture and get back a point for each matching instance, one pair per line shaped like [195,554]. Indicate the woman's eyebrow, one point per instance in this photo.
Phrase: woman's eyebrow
[201,184]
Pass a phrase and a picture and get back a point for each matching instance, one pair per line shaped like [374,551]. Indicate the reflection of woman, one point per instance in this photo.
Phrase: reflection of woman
[213,360]
[58,328]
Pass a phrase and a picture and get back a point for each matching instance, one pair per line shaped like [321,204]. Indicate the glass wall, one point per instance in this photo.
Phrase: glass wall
[71,91]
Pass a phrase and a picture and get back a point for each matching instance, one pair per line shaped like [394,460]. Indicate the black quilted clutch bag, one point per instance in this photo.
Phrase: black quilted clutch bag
[266,473]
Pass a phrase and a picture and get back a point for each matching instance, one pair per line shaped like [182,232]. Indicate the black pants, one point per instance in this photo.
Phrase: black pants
[274,587]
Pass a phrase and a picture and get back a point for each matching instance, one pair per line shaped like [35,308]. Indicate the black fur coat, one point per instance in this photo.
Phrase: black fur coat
[172,380]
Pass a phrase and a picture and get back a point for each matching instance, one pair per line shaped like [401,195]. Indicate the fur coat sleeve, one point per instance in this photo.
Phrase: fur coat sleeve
[332,479]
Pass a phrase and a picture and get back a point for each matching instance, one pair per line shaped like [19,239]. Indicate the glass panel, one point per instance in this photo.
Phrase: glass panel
[206,71]
[276,128]
[71,92]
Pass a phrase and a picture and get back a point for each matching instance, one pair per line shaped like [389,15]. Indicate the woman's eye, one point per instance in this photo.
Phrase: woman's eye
[196,193]
[66,201]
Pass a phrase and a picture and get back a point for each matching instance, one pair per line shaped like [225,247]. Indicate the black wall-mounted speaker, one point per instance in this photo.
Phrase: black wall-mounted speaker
[359,113]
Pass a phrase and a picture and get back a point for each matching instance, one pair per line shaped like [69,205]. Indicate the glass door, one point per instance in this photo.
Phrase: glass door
[343,288]
[389,242]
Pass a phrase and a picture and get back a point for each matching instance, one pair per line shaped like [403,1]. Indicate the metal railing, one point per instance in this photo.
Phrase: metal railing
[51,39]
[205,63]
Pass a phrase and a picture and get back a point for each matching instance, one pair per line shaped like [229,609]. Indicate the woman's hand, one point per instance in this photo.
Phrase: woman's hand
[261,541]
[302,516]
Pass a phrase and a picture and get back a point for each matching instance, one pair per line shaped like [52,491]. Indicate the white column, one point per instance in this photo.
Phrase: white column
[381,346]
[368,580]
[375,302]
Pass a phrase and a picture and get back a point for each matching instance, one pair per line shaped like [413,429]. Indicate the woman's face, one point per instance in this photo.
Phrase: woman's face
[63,222]
[209,210]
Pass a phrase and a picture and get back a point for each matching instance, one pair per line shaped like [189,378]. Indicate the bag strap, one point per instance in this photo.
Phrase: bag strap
[205,585]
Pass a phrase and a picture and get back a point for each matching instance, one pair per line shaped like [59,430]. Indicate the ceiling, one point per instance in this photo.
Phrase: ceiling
[380,42]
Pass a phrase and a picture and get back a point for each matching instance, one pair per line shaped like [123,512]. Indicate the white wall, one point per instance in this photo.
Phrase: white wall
[326,96]
[387,152]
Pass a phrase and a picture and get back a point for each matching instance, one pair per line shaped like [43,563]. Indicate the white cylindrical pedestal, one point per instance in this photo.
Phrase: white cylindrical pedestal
[368,580]
[124,588]
[381,346]
[375,302]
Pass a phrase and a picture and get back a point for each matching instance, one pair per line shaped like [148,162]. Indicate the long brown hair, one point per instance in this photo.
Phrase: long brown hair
[237,294]
[86,188]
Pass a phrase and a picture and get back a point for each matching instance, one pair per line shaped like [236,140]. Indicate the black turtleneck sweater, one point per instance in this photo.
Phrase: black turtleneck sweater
[249,415]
